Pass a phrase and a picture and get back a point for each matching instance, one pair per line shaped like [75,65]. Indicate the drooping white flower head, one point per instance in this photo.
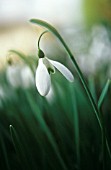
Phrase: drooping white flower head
[44,69]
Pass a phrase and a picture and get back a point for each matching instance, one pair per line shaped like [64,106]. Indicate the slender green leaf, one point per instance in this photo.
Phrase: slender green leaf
[18,148]
[103,93]
[2,143]
[44,126]
[76,124]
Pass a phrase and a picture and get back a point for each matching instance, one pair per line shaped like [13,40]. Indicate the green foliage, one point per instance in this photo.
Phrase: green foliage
[65,130]
[49,134]
[104,93]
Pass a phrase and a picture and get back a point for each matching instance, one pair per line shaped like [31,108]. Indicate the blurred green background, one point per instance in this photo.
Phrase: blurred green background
[59,131]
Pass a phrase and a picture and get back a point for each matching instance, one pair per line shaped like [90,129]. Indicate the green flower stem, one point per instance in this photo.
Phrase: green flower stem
[40,38]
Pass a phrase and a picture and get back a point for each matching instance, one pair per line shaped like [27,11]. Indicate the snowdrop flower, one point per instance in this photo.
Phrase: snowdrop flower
[15,76]
[45,68]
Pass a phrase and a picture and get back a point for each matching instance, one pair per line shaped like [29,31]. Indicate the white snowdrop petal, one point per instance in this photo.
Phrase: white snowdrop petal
[64,70]
[43,81]
[48,65]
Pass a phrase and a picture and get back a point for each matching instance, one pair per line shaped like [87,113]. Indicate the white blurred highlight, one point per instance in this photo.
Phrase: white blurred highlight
[19,76]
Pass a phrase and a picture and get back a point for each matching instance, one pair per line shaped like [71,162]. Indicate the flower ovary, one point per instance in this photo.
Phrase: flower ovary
[41,54]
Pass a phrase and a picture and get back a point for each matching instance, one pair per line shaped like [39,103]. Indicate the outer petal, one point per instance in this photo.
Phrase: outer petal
[43,81]
[64,70]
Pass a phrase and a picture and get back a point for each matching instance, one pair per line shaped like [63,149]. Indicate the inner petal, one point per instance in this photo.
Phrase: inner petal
[49,66]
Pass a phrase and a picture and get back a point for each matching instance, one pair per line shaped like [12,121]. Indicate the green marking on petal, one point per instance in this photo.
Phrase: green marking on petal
[51,70]
[49,66]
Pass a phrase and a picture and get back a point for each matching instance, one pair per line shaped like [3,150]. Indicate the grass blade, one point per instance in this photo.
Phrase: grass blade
[76,125]
[19,149]
[4,153]
[46,129]
[103,94]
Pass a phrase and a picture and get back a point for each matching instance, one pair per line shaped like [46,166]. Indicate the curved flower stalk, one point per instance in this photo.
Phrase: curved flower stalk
[45,68]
